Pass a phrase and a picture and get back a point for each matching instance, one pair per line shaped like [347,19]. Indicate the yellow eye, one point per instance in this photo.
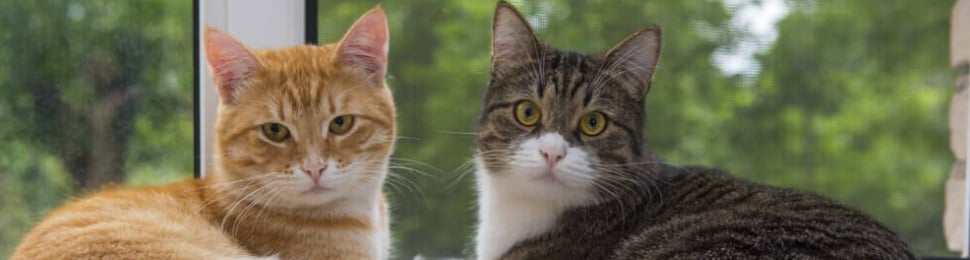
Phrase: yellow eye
[275,132]
[341,124]
[527,113]
[593,123]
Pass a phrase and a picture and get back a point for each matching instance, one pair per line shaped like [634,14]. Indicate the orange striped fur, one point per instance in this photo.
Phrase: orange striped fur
[260,201]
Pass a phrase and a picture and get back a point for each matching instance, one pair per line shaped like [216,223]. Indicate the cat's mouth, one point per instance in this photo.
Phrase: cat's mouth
[549,175]
[316,189]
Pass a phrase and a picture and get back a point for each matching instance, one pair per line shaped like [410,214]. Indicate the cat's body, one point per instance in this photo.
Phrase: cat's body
[302,146]
[187,220]
[564,172]
[698,213]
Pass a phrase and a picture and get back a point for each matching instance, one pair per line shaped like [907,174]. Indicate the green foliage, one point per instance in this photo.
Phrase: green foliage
[850,101]
[852,104]
[64,59]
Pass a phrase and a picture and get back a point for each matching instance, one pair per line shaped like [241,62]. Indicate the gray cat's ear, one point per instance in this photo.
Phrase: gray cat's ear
[231,63]
[634,60]
[513,41]
[364,48]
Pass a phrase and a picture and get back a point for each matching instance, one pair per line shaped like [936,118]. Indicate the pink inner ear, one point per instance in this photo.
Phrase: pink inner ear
[364,47]
[512,37]
[231,63]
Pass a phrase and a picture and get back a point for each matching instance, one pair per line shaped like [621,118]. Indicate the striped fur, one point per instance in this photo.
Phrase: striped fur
[609,197]
[260,201]
[702,213]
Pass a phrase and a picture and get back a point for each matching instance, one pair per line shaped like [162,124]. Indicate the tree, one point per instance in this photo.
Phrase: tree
[85,78]
[851,104]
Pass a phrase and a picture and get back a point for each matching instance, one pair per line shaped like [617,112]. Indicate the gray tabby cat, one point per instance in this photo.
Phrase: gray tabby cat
[563,172]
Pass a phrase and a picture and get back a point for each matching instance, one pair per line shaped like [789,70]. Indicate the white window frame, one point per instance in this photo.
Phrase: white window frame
[256,23]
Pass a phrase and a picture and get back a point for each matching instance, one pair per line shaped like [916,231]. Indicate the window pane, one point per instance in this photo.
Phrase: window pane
[834,97]
[91,92]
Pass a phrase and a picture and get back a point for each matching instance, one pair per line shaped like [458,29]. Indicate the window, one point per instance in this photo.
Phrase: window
[91,92]
[840,98]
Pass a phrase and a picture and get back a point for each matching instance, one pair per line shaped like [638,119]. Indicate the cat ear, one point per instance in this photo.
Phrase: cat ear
[364,47]
[231,62]
[513,41]
[634,60]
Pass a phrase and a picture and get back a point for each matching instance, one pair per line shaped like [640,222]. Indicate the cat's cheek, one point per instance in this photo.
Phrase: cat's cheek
[496,161]
[613,148]
[368,139]
[495,167]
[289,171]
[493,161]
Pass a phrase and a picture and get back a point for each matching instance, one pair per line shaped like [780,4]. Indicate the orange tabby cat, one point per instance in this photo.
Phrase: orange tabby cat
[303,139]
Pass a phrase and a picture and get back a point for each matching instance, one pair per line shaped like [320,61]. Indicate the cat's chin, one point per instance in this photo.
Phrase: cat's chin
[309,199]
[541,185]
[319,194]
[549,178]
[326,196]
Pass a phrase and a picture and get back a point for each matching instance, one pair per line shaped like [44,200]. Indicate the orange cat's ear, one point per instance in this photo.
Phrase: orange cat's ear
[635,59]
[230,61]
[513,42]
[364,47]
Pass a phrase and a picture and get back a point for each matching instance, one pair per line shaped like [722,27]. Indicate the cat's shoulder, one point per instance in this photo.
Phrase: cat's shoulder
[690,178]
[702,173]
[699,189]
[182,189]
[116,196]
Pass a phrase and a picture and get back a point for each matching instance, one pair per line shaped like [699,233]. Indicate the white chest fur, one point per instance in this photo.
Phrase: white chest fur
[526,200]
[506,219]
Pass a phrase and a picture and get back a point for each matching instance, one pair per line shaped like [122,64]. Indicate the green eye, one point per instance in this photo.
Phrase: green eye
[527,113]
[275,132]
[593,123]
[341,124]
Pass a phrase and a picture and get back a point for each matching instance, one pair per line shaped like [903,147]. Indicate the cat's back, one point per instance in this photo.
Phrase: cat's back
[128,223]
[707,214]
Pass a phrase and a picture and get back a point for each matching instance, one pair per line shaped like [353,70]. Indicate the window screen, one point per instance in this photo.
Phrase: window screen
[843,98]
[90,92]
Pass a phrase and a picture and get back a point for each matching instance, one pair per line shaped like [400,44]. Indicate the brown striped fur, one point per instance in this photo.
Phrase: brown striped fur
[259,201]
[702,213]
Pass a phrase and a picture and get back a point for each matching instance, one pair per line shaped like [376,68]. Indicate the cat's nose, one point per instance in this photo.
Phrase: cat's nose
[552,147]
[552,155]
[314,170]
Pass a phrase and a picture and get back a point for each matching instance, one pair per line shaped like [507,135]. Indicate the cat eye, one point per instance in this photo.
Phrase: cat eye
[341,124]
[592,124]
[275,132]
[527,113]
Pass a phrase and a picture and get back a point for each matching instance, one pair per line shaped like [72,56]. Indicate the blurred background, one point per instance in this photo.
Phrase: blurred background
[847,99]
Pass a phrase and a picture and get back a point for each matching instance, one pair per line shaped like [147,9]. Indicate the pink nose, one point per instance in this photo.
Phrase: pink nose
[552,155]
[314,170]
